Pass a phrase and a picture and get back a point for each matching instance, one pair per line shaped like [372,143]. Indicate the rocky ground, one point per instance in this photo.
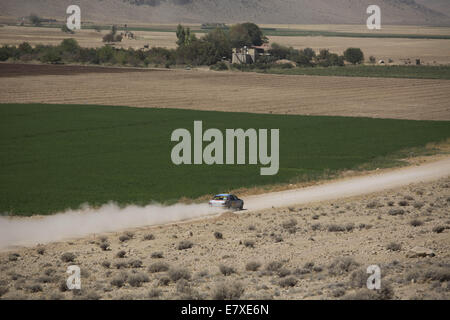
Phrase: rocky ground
[318,251]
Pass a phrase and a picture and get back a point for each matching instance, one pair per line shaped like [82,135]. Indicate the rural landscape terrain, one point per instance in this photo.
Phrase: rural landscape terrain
[87,178]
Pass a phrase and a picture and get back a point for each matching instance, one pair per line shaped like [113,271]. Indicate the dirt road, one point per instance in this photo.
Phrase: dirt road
[351,187]
[109,218]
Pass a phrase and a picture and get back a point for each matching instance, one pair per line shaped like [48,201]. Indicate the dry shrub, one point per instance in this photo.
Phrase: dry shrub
[178,273]
[185,244]
[158,267]
[252,266]
[342,265]
[229,291]
[226,271]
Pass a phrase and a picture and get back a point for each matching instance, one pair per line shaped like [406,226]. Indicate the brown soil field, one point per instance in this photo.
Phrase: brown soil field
[16,70]
[314,251]
[362,28]
[89,38]
[236,91]
[430,51]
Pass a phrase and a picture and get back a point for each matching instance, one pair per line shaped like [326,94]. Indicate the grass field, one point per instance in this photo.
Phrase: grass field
[413,72]
[55,157]
[268,31]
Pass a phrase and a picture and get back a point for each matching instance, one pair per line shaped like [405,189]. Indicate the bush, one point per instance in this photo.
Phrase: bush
[3,290]
[149,236]
[226,271]
[252,266]
[336,228]
[288,282]
[52,56]
[274,266]
[104,246]
[13,256]
[291,223]
[416,223]
[68,257]
[158,267]
[354,55]
[342,265]
[34,288]
[439,229]
[249,243]
[230,291]
[135,263]
[396,212]
[218,235]
[154,293]
[219,66]
[136,280]
[121,254]
[119,280]
[178,273]
[157,255]
[185,244]
[394,246]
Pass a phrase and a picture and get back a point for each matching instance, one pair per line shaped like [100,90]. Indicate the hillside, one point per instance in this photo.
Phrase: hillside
[406,12]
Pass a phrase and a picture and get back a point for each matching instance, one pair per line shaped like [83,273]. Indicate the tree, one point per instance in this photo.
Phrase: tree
[35,20]
[112,36]
[52,55]
[246,34]
[279,51]
[255,33]
[239,36]
[219,39]
[69,45]
[25,48]
[184,36]
[354,55]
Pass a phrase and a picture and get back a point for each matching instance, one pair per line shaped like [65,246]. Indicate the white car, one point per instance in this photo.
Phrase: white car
[226,200]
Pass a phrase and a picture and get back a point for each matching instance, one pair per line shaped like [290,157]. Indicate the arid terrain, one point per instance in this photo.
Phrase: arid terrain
[230,91]
[429,12]
[313,251]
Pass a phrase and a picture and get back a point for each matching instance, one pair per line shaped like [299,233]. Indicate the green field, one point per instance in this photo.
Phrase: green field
[54,157]
[274,32]
[413,72]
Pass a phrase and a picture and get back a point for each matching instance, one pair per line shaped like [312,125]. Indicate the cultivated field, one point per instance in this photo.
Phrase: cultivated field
[71,155]
[86,37]
[231,91]
[428,50]
[314,251]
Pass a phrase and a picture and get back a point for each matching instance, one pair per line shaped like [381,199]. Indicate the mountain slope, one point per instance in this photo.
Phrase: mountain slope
[413,12]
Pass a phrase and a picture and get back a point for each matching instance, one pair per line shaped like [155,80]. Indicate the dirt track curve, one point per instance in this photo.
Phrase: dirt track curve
[110,218]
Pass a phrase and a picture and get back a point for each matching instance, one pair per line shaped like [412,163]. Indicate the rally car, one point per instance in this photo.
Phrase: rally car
[226,200]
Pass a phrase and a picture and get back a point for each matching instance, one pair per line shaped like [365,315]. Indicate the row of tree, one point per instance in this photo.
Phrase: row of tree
[210,49]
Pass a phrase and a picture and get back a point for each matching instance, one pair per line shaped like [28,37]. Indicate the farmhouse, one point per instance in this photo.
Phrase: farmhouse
[248,55]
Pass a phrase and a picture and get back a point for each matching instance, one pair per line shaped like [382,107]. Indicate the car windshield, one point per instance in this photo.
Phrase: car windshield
[220,198]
